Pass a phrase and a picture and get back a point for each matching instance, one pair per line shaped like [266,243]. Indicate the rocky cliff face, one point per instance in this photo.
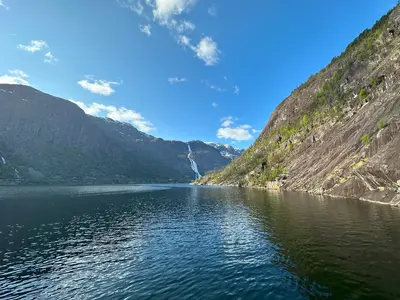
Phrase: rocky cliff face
[44,139]
[338,133]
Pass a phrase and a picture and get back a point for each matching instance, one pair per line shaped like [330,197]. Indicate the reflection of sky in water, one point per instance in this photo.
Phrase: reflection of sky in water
[238,234]
[94,250]
[187,243]
[40,191]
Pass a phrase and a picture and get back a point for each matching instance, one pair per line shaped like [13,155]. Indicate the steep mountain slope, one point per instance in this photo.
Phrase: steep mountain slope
[227,150]
[44,139]
[338,133]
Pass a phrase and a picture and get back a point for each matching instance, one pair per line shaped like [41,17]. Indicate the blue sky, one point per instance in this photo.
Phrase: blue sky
[178,69]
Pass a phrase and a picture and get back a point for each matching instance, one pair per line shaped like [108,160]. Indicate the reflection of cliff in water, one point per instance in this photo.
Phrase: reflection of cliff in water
[254,242]
[351,248]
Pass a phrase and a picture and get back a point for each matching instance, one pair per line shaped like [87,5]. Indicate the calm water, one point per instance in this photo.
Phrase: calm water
[144,242]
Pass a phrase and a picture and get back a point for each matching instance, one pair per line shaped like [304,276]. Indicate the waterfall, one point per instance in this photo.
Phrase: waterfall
[3,160]
[193,164]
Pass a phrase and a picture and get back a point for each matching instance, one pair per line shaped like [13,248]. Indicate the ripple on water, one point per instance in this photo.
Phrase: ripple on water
[190,243]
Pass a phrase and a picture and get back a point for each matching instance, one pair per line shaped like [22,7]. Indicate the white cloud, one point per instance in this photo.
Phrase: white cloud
[165,13]
[181,26]
[146,29]
[207,50]
[34,46]
[255,130]
[130,116]
[100,87]
[134,5]
[236,89]
[173,80]
[94,109]
[214,104]
[14,77]
[227,121]
[165,10]
[121,114]
[49,58]
[237,133]
[184,41]
[149,3]
[39,45]
[213,11]
[18,73]
[3,5]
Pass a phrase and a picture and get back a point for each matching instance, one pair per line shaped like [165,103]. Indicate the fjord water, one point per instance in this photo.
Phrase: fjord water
[152,242]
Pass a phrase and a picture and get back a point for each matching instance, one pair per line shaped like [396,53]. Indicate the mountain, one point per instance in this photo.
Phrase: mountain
[338,133]
[227,150]
[48,140]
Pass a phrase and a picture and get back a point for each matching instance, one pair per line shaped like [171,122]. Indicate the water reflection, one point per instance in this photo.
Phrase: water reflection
[342,248]
[194,243]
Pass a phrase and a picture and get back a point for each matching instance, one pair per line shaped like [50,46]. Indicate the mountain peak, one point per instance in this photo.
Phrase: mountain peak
[45,139]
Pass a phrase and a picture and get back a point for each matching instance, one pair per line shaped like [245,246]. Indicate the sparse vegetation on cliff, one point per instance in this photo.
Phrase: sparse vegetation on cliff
[365,139]
[317,129]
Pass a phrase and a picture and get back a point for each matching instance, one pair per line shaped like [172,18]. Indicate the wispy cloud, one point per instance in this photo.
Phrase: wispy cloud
[14,77]
[34,46]
[100,87]
[181,26]
[38,46]
[236,89]
[3,5]
[213,10]
[121,114]
[165,10]
[19,73]
[174,80]
[214,104]
[184,41]
[227,121]
[213,87]
[167,13]
[146,29]
[49,58]
[230,131]
[133,5]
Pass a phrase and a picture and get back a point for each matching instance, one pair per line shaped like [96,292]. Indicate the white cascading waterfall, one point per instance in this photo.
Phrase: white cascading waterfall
[3,160]
[193,164]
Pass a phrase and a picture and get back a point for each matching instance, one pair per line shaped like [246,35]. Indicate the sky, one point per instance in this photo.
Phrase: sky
[207,70]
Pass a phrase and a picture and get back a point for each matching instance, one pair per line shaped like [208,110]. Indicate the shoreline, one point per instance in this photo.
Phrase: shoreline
[395,202]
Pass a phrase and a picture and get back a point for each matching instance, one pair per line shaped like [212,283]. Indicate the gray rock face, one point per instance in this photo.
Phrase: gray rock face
[339,132]
[44,139]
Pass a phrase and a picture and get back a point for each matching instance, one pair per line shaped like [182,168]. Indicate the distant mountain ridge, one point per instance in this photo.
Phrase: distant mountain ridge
[227,150]
[49,140]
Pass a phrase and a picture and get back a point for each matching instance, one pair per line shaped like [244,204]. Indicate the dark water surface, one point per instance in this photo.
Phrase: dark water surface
[144,242]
